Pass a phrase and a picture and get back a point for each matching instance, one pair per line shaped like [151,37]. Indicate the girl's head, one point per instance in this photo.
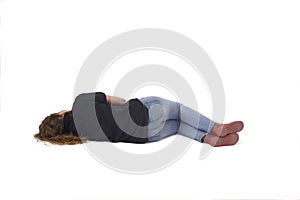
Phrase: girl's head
[52,130]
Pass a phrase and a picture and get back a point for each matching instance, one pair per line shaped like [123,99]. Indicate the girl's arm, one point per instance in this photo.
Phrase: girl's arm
[115,100]
[63,112]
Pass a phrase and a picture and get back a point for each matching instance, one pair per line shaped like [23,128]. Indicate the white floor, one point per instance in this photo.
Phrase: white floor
[266,169]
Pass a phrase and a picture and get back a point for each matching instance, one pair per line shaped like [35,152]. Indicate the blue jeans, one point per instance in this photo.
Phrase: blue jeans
[168,118]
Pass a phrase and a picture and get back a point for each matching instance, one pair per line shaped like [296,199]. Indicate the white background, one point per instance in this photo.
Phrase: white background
[255,46]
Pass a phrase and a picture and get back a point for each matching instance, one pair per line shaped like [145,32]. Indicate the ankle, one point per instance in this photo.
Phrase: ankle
[216,128]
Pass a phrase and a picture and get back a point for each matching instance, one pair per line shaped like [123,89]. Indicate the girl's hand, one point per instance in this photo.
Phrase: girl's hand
[63,112]
[115,100]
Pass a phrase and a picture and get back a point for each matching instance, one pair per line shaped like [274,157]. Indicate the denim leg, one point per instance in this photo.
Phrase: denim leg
[169,128]
[159,113]
[166,116]
[195,119]
[191,132]
[172,127]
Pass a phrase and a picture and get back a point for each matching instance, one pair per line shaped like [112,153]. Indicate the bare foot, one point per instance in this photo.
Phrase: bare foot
[222,130]
[215,141]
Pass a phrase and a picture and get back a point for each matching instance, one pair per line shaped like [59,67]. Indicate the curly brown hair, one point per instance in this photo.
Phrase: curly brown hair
[51,131]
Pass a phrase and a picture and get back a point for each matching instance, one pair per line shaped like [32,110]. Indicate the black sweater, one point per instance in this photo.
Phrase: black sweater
[98,120]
